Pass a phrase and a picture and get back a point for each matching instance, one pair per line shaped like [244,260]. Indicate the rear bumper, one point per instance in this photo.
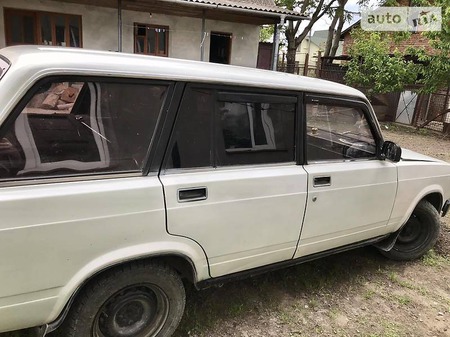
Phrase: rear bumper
[446,207]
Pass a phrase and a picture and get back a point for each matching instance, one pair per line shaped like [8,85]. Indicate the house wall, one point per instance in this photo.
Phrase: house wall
[184,33]
[244,45]
[99,29]
[303,49]
[348,41]
[417,40]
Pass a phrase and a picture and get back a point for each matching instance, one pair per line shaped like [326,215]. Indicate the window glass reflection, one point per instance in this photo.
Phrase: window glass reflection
[82,127]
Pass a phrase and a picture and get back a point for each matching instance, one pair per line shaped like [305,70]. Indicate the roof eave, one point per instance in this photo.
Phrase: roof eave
[288,15]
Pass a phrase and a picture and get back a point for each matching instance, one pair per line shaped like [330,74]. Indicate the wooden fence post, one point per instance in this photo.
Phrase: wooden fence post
[305,68]
[319,64]
[446,118]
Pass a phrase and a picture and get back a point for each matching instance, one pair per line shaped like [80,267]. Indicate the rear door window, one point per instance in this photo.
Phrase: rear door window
[217,128]
[72,127]
[255,129]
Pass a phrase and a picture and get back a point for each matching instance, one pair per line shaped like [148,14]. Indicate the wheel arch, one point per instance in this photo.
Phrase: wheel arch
[434,194]
[181,263]
[436,199]
[417,236]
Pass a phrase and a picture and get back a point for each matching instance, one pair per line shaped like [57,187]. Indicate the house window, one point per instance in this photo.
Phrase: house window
[151,40]
[44,28]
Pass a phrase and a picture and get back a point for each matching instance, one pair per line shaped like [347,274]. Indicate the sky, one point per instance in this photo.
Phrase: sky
[352,6]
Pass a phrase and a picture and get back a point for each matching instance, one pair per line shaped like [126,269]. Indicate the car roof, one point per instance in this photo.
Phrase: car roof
[65,60]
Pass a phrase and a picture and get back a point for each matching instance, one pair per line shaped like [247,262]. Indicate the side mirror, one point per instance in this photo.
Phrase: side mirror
[391,151]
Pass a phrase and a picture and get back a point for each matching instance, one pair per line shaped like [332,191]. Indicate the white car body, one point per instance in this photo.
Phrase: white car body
[56,234]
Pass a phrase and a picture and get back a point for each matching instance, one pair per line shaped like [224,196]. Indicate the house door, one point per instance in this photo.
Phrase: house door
[220,48]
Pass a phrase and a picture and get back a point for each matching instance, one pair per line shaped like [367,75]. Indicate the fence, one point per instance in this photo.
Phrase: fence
[335,74]
[432,111]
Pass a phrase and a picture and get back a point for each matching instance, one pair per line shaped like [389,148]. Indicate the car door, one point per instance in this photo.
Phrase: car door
[350,191]
[230,178]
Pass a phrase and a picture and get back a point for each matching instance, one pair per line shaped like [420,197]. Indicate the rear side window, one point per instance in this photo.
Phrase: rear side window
[255,129]
[216,128]
[80,127]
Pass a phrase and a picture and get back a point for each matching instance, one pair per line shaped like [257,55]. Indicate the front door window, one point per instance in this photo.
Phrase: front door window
[338,131]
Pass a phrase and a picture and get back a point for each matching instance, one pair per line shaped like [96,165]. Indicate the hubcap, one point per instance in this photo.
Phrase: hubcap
[136,311]
[412,230]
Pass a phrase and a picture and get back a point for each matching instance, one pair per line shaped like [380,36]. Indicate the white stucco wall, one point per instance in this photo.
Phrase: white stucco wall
[303,49]
[244,45]
[99,26]
[184,33]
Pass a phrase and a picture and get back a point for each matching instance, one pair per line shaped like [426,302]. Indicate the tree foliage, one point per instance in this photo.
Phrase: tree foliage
[436,74]
[315,9]
[266,33]
[379,69]
[374,67]
[339,16]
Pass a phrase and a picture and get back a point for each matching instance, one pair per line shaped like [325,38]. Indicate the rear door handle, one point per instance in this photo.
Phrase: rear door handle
[192,194]
[322,181]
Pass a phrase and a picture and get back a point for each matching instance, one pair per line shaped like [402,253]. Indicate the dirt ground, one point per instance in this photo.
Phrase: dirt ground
[357,293]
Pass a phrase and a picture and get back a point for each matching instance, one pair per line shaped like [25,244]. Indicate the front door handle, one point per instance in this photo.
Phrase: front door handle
[192,194]
[322,181]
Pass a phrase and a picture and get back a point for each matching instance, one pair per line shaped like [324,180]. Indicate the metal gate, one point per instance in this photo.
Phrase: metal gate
[406,107]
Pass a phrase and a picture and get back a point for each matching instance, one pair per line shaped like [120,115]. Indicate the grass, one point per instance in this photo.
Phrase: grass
[369,294]
[403,299]
[432,259]
[394,278]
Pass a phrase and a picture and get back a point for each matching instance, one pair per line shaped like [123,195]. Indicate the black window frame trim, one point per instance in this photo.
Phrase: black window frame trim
[163,134]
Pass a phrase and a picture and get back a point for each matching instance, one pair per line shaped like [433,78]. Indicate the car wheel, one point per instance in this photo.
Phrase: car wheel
[419,234]
[136,300]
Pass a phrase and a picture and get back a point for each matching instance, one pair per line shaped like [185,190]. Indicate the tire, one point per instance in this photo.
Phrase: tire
[136,300]
[419,234]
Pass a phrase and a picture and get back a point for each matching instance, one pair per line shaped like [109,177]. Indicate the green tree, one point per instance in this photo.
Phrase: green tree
[379,69]
[266,33]
[339,15]
[294,35]
[374,67]
[436,74]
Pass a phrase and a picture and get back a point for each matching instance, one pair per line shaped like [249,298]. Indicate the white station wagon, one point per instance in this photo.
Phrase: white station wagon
[122,175]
